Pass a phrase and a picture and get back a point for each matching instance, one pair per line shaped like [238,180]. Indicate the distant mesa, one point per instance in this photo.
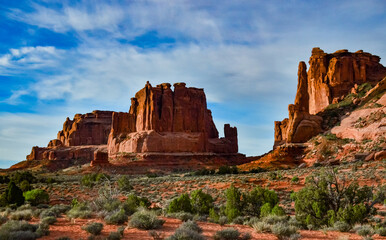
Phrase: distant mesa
[160,122]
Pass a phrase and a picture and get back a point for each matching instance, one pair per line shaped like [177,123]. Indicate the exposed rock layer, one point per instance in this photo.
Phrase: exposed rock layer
[329,78]
[160,120]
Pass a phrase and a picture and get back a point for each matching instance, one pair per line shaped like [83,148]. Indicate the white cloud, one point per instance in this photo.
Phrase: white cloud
[19,132]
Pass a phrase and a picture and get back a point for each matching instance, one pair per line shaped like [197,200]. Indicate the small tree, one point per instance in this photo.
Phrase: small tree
[258,197]
[36,196]
[14,194]
[326,198]
[201,202]
[180,204]
[233,202]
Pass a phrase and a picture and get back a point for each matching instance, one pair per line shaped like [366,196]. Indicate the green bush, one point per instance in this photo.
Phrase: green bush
[201,202]
[365,231]
[117,217]
[254,200]
[145,219]
[233,203]
[124,183]
[295,179]
[90,180]
[25,186]
[133,202]
[19,177]
[228,170]
[180,204]
[227,234]
[381,231]
[265,210]
[278,211]
[213,215]
[81,210]
[325,200]
[13,195]
[94,228]
[36,196]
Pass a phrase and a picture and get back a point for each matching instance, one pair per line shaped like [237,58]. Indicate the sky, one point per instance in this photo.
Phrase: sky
[59,58]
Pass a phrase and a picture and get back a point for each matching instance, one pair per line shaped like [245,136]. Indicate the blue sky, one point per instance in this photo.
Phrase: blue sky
[58,58]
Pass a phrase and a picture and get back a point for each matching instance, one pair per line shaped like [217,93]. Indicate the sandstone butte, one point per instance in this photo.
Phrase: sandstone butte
[162,126]
[330,78]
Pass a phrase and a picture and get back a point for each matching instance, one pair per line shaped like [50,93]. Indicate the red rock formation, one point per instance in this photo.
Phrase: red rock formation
[159,121]
[86,129]
[332,76]
[329,78]
[162,120]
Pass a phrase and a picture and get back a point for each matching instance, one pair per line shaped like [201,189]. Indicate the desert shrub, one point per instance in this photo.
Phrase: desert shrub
[228,170]
[20,176]
[365,231]
[43,229]
[180,204]
[63,238]
[117,217]
[233,203]
[36,196]
[186,231]
[342,226]
[245,236]
[114,236]
[59,209]
[124,183]
[295,179]
[223,220]
[156,235]
[4,179]
[278,211]
[201,202]
[283,230]
[381,231]
[12,195]
[21,215]
[81,210]
[213,215]
[192,225]
[145,219]
[254,201]
[49,220]
[94,228]
[331,136]
[133,202]
[183,216]
[25,186]
[326,199]
[227,234]
[18,230]
[262,227]
[47,213]
[265,210]
[90,180]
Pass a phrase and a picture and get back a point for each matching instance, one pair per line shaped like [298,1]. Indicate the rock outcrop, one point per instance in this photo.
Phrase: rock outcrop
[164,121]
[86,129]
[329,79]
[332,76]
[160,121]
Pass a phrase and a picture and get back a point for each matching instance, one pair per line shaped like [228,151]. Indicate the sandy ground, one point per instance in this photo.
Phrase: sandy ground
[65,228]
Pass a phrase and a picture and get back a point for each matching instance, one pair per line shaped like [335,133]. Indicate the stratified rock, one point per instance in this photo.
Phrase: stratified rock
[55,143]
[166,121]
[300,126]
[329,79]
[86,129]
[332,76]
[100,158]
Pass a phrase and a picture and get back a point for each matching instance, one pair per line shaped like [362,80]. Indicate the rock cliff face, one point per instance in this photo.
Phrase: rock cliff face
[329,79]
[332,76]
[165,121]
[160,121]
[86,129]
